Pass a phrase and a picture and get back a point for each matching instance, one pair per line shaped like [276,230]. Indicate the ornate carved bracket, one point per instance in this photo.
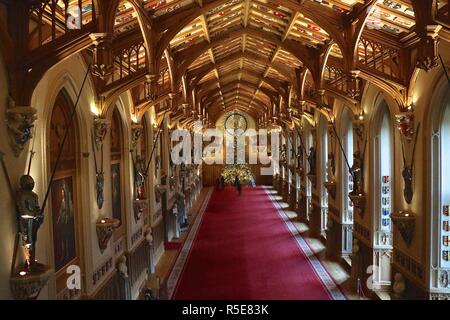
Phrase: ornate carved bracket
[20,123]
[353,84]
[428,55]
[105,228]
[26,285]
[359,202]
[405,124]
[331,188]
[358,128]
[150,87]
[102,65]
[405,221]
[101,127]
[139,207]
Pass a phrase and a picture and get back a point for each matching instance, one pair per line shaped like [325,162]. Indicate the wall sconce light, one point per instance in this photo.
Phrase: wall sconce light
[105,228]
[94,109]
[26,285]
[405,223]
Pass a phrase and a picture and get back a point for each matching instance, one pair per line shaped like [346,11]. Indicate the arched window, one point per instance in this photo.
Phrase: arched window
[284,154]
[385,175]
[445,189]
[309,142]
[347,181]
[144,138]
[289,158]
[440,197]
[299,159]
[64,197]
[383,199]
[323,172]
[116,165]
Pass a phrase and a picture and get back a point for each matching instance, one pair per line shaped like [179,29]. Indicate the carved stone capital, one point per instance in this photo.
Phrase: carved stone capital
[20,124]
[428,55]
[102,66]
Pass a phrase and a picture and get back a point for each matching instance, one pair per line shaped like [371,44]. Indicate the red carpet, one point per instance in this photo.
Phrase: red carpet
[244,250]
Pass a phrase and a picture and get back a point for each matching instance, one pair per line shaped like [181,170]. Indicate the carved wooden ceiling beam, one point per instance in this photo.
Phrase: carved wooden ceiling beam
[197,74]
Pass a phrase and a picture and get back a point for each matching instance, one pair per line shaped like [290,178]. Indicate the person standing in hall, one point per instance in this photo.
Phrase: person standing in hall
[222,182]
[238,185]
[218,184]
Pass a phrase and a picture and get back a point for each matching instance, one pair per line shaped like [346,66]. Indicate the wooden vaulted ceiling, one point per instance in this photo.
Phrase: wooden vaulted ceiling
[246,54]
[247,70]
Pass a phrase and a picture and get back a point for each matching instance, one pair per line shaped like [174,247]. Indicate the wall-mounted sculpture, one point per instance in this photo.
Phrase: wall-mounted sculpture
[357,196]
[20,124]
[283,155]
[99,132]
[101,127]
[28,280]
[312,161]
[405,125]
[139,164]
[136,132]
[299,156]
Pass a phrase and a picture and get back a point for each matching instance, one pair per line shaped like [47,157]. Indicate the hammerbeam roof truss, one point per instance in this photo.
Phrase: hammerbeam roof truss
[247,54]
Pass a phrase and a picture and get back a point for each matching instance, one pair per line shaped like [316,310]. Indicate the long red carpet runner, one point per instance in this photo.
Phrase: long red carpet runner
[245,247]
